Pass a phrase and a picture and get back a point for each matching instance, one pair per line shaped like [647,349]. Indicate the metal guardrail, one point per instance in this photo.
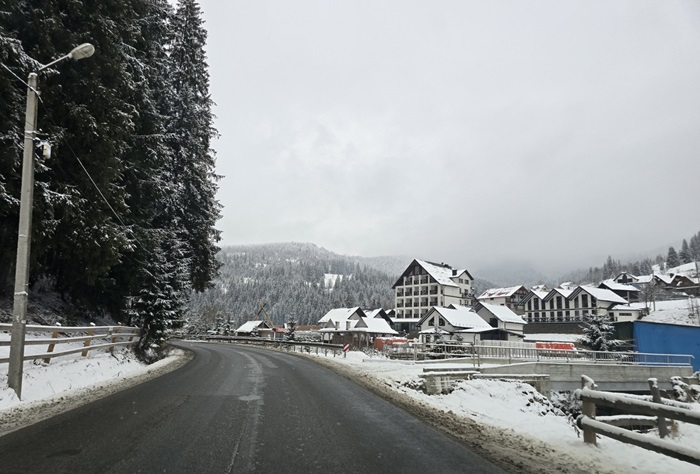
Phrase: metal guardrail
[420,351]
[112,334]
[590,426]
[279,343]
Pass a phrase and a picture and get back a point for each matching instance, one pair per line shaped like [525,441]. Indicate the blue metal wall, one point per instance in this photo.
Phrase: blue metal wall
[661,338]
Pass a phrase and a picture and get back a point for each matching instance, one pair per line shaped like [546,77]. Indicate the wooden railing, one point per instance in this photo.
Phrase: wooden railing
[657,408]
[115,336]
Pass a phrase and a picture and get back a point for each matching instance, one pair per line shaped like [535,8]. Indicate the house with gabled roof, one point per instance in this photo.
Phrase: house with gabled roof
[255,329]
[510,297]
[628,292]
[533,305]
[499,316]
[426,284]
[349,326]
[445,323]
[591,301]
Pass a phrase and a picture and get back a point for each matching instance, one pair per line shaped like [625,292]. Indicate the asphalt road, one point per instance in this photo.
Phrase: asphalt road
[236,409]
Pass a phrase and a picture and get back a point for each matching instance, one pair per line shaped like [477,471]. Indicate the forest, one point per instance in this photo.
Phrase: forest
[124,206]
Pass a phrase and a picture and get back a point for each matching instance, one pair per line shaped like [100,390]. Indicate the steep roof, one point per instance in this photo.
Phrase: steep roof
[615,286]
[248,326]
[441,273]
[600,294]
[460,317]
[503,313]
[374,326]
[500,292]
[341,314]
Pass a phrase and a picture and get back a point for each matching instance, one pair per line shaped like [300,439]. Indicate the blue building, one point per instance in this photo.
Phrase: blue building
[663,338]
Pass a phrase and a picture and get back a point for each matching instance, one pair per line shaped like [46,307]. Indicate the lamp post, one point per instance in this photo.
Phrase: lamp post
[21,296]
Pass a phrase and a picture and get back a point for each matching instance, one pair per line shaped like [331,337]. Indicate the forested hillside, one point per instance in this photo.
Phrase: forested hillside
[295,281]
[124,209]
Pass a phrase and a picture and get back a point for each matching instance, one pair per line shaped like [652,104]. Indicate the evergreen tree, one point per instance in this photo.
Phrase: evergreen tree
[695,246]
[685,255]
[672,259]
[598,334]
[192,129]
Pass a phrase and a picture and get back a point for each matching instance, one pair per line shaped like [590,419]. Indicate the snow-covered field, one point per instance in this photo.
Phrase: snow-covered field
[507,418]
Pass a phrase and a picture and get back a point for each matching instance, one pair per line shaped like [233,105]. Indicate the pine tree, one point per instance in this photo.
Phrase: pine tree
[672,259]
[695,246]
[685,255]
[192,130]
[598,334]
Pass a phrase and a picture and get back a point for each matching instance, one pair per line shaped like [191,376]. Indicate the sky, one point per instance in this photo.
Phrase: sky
[468,132]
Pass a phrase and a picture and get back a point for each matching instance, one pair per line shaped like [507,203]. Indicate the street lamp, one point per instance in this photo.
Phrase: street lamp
[21,296]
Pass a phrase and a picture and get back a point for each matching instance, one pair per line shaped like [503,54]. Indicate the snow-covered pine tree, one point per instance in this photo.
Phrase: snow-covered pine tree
[672,259]
[598,334]
[12,92]
[685,255]
[192,129]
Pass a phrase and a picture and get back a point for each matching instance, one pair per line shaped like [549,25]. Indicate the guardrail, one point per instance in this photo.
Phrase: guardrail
[590,426]
[421,351]
[88,334]
[278,343]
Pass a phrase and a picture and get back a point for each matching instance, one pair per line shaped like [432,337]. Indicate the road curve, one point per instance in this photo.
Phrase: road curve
[238,409]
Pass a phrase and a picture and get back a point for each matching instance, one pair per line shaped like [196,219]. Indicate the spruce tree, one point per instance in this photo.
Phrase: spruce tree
[672,259]
[192,129]
[685,255]
[598,334]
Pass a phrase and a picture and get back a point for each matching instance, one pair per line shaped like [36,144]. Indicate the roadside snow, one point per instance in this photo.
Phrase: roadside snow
[70,381]
[532,425]
[503,419]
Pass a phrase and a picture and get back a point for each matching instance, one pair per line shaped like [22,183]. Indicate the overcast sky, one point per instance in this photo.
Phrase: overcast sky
[469,132]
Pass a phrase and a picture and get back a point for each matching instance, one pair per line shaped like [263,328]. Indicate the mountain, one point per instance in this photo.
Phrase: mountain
[294,281]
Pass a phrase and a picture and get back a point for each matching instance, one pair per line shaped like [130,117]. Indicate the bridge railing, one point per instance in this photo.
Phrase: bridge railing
[108,337]
[420,351]
[295,346]
[591,398]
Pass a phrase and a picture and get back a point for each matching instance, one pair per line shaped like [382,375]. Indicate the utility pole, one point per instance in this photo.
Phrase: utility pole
[21,297]
[24,234]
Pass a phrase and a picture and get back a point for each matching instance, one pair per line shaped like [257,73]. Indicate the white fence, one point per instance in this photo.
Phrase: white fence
[107,337]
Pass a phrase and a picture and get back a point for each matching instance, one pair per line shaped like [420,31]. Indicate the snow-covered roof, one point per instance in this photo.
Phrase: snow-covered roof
[434,331]
[343,325]
[374,326]
[341,314]
[667,279]
[644,279]
[458,317]
[687,269]
[404,320]
[441,273]
[503,313]
[248,326]
[565,292]
[500,292]
[600,294]
[374,313]
[615,286]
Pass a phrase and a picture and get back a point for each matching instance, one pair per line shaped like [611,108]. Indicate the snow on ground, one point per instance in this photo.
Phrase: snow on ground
[517,408]
[544,337]
[523,425]
[673,312]
[70,381]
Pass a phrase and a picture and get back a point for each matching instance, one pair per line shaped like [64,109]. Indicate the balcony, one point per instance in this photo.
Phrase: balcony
[409,292]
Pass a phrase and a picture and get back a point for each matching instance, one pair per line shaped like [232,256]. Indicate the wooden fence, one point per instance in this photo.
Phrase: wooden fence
[108,337]
[658,408]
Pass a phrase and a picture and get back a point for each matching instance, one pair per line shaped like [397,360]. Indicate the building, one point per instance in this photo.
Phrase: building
[355,327]
[499,316]
[447,324]
[425,284]
[255,329]
[569,305]
[628,292]
[510,297]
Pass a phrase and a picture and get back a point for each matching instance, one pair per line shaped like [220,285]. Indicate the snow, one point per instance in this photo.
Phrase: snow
[516,408]
[442,275]
[507,410]
[459,317]
[499,292]
[503,313]
[544,337]
[672,312]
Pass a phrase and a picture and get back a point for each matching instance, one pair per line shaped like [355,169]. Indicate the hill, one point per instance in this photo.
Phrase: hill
[295,281]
